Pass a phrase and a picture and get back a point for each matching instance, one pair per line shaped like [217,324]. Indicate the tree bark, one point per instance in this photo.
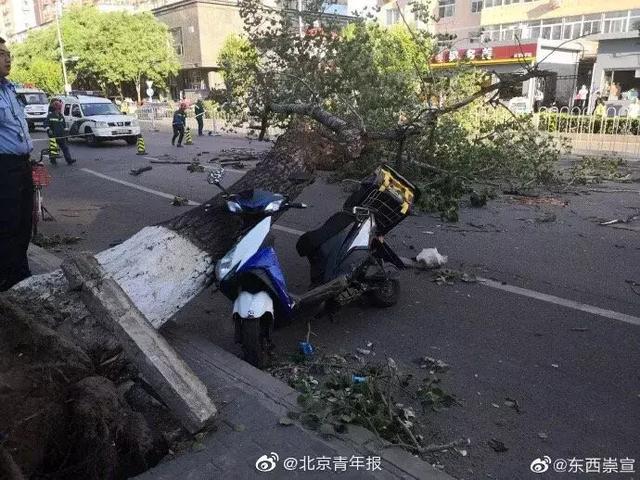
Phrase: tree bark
[284,170]
[162,267]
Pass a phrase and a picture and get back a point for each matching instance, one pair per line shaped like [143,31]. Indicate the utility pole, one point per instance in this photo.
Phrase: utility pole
[62,59]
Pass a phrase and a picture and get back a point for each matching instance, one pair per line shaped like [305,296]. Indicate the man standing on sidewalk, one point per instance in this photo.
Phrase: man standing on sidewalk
[16,183]
[179,122]
[200,116]
[57,131]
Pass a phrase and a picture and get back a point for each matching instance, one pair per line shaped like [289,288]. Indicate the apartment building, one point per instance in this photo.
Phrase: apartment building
[16,15]
[561,36]
[557,19]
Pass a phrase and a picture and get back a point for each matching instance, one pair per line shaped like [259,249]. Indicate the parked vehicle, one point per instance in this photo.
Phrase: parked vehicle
[97,119]
[36,106]
[348,257]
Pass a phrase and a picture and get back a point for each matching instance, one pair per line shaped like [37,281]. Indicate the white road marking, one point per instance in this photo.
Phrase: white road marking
[583,307]
[292,231]
[525,292]
[133,185]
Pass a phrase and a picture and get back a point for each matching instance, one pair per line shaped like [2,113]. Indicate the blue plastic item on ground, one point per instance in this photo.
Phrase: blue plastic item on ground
[306,348]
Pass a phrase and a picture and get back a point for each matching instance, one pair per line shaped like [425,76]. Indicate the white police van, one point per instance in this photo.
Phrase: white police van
[36,106]
[97,119]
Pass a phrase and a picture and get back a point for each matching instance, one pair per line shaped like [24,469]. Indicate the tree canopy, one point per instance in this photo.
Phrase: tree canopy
[105,50]
[373,91]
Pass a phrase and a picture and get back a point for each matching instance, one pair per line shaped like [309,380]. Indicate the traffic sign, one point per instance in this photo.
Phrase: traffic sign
[150,92]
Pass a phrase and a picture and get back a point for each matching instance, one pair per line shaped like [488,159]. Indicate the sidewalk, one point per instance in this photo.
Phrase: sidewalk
[250,405]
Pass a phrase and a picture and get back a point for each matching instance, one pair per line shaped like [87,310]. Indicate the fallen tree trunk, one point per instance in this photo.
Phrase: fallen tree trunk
[162,267]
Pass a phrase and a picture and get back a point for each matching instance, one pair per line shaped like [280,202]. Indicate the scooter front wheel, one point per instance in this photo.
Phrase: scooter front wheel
[255,343]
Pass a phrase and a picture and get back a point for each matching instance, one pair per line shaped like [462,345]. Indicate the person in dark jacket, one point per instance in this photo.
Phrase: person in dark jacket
[16,182]
[55,122]
[179,122]
[200,116]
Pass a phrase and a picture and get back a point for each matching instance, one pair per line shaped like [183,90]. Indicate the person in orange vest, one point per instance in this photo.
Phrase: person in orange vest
[55,122]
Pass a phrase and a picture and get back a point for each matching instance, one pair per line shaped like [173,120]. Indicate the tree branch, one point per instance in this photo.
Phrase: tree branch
[354,138]
[347,134]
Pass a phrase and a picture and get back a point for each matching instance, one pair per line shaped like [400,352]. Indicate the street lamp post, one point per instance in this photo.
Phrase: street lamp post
[58,7]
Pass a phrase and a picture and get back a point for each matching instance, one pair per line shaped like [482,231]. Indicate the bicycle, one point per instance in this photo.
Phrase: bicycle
[41,178]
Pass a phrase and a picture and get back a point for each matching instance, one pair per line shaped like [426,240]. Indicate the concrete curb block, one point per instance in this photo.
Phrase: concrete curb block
[42,261]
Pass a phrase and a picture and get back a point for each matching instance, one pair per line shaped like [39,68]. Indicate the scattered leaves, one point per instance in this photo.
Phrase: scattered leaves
[286,421]
[179,201]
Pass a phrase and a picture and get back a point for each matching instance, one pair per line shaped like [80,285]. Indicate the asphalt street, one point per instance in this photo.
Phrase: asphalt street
[565,345]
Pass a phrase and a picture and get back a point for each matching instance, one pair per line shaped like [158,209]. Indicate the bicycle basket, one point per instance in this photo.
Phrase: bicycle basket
[390,198]
[41,177]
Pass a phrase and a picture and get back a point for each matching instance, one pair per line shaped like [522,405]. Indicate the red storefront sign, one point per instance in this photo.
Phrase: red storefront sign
[497,53]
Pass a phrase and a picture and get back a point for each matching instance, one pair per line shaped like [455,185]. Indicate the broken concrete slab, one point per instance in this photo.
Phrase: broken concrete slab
[159,364]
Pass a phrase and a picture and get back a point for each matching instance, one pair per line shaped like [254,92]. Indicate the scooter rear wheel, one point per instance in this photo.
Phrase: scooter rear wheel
[387,294]
[255,344]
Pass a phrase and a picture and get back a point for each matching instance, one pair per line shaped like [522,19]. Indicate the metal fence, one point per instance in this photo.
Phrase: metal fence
[155,111]
[611,131]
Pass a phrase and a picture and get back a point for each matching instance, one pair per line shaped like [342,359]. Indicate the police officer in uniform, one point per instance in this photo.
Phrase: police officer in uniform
[16,184]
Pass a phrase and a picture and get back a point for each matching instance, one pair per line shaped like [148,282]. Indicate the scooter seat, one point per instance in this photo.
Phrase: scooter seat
[311,241]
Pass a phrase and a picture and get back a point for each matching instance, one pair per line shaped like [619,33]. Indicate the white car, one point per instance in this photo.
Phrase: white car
[36,106]
[97,119]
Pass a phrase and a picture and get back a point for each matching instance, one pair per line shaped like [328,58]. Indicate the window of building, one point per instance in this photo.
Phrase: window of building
[176,34]
[615,22]
[571,27]
[592,24]
[551,29]
[447,8]
[393,16]
[476,6]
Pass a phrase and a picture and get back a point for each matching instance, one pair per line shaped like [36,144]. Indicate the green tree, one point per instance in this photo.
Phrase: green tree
[239,62]
[43,72]
[107,50]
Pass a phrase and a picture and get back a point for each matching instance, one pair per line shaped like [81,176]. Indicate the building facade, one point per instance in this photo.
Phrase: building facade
[616,73]
[459,18]
[557,19]
[199,29]
[15,16]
